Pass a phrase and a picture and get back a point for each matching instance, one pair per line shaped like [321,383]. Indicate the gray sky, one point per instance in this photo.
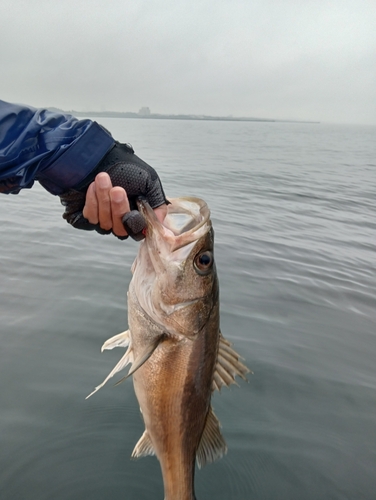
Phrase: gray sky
[284,59]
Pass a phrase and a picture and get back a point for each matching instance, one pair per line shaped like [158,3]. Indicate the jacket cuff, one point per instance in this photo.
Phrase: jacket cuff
[75,164]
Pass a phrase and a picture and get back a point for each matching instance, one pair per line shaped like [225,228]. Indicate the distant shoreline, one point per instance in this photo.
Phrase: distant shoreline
[158,116]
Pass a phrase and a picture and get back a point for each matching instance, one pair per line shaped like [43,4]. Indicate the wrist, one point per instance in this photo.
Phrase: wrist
[78,162]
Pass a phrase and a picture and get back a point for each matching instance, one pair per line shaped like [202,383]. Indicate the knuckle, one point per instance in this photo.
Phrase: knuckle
[120,232]
[106,225]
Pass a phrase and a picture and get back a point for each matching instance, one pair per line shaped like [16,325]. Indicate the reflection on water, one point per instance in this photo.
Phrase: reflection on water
[294,216]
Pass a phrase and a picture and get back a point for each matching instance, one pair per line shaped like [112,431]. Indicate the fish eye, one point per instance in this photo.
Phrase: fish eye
[203,262]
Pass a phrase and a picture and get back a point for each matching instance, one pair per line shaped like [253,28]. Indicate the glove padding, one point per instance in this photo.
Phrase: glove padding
[127,171]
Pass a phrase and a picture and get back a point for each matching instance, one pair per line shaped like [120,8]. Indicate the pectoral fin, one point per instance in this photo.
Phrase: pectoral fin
[144,356]
[144,447]
[123,340]
[212,445]
[228,366]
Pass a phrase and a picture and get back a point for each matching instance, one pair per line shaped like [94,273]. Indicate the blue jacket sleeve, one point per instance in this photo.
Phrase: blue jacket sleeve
[56,149]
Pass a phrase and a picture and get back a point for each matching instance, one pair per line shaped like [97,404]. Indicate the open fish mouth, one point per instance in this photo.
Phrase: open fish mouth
[167,282]
[187,220]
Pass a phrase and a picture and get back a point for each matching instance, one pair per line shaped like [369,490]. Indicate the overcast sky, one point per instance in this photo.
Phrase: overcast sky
[284,59]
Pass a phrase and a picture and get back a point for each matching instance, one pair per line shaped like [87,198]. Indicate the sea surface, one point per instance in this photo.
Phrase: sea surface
[294,211]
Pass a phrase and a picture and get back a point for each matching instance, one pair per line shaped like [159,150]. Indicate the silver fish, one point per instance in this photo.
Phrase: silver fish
[178,354]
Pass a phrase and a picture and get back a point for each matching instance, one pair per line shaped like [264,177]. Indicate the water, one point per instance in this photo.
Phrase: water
[293,206]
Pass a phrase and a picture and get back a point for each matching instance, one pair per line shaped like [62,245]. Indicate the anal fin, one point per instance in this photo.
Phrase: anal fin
[212,445]
[143,447]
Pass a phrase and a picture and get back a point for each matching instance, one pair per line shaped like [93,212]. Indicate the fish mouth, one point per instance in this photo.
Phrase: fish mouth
[160,268]
[187,220]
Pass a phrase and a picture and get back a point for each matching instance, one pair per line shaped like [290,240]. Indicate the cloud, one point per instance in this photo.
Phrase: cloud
[291,59]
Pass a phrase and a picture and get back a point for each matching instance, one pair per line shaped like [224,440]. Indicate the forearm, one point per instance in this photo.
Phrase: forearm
[57,150]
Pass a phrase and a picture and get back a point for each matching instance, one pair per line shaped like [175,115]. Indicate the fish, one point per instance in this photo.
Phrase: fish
[178,354]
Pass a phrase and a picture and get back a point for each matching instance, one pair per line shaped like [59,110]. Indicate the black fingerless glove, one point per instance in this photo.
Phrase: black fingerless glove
[127,171]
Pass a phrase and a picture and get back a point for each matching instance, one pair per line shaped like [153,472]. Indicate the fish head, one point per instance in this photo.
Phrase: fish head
[174,274]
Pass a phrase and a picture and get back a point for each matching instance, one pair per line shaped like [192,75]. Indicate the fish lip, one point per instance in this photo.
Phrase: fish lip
[145,209]
[148,213]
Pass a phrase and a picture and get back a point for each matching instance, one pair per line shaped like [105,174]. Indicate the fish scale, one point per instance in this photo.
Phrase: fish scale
[178,354]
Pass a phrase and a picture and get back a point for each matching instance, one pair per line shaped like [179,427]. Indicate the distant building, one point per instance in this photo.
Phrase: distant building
[144,111]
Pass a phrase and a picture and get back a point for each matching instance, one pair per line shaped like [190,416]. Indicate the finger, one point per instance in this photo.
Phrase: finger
[119,206]
[90,211]
[134,224]
[161,212]
[102,188]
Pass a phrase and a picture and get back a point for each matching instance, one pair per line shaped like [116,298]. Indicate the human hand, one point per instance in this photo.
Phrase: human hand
[106,205]
[112,191]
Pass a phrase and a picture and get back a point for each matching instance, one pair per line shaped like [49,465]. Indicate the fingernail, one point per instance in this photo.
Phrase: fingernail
[117,195]
[103,180]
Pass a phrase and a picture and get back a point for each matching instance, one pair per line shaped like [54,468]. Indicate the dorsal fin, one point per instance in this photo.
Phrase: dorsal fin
[212,445]
[228,366]
[143,447]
